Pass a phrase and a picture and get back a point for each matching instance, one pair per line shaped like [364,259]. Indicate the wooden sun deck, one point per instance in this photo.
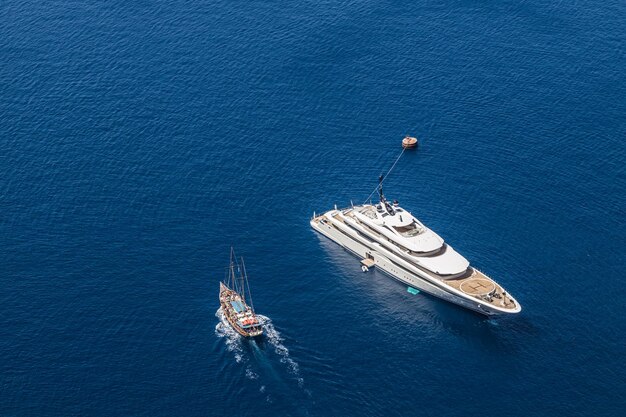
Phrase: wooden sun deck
[368,262]
[337,217]
[483,288]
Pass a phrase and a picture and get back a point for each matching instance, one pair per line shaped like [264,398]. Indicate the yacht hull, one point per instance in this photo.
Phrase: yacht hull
[365,248]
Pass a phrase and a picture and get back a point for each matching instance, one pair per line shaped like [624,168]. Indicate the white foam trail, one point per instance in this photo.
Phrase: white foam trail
[275,339]
[230,336]
[251,374]
[233,342]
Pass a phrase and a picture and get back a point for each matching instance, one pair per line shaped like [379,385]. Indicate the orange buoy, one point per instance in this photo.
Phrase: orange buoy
[409,142]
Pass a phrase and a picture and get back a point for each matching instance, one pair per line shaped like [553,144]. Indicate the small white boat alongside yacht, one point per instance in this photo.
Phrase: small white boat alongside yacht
[397,243]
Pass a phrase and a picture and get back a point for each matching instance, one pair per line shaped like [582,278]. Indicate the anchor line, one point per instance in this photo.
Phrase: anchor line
[385,176]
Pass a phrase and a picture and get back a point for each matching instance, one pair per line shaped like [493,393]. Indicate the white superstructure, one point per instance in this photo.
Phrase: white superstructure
[406,249]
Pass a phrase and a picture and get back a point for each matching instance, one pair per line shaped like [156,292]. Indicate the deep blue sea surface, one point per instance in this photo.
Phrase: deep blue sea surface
[140,140]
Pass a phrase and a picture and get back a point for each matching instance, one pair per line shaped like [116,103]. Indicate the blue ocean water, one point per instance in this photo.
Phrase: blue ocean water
[140,140]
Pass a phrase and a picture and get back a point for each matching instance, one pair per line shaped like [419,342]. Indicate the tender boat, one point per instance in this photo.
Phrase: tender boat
[409,142]
[236,306]
[391,239]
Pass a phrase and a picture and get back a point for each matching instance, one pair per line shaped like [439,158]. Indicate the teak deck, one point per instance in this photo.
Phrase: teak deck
[483,288]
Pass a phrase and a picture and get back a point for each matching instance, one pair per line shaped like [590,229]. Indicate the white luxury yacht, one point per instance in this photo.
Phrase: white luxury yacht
[391,239]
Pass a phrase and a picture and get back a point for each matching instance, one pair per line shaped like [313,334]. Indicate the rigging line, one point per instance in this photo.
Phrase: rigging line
[385,176]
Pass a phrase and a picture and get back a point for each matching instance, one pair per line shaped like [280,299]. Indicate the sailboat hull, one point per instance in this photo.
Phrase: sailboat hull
[238,314]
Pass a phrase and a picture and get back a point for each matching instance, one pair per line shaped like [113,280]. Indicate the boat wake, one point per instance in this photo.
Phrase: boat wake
[259,361]
[275,339]
[235,344]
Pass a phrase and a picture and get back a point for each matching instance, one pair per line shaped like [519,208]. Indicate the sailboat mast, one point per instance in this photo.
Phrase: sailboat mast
[247,284]
[232,279]
[242,286]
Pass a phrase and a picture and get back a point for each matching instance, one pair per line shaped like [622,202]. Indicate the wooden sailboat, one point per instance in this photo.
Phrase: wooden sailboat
[236,300]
